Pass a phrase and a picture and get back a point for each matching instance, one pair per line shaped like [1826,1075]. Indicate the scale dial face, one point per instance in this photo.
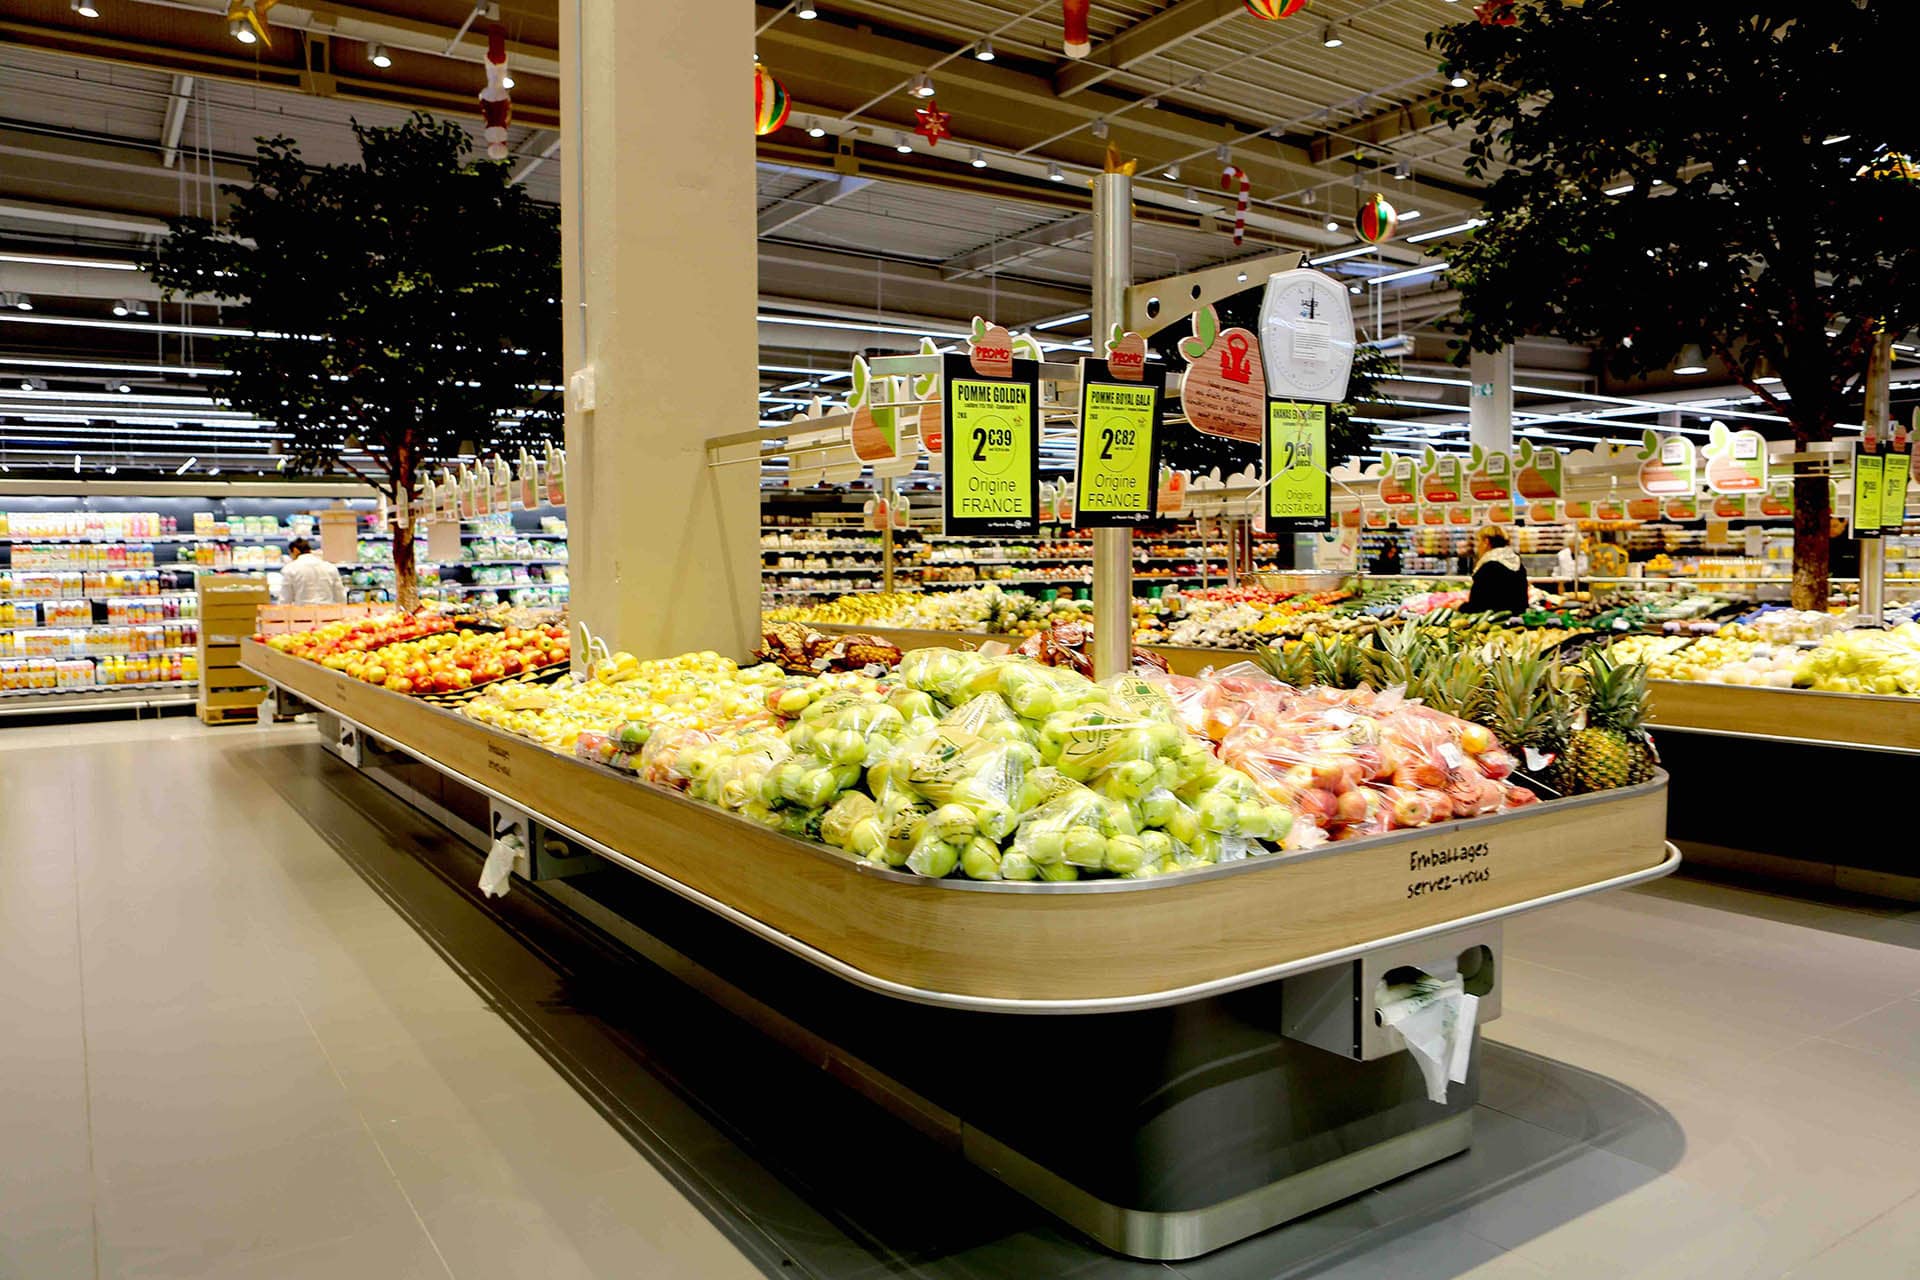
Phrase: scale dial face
[1306,336]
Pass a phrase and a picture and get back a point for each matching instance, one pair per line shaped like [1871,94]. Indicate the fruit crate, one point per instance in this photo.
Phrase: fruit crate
[229,609]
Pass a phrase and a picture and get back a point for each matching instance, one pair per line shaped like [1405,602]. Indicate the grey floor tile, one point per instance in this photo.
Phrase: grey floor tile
[41,1252]
[399,1249]
[226,1212]
[1892,1029]
[1888,1248]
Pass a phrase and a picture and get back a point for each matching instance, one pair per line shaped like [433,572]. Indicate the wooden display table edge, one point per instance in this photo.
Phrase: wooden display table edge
[1180,660]
[1864,722]
[1083,947]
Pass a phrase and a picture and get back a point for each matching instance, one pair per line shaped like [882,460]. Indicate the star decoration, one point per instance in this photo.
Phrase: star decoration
[1495,13]
[933,123]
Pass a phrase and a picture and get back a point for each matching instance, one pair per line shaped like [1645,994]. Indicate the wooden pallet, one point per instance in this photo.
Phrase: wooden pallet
[230,715]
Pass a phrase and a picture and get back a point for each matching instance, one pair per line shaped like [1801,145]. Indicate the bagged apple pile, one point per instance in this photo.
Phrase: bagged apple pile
[1350,762]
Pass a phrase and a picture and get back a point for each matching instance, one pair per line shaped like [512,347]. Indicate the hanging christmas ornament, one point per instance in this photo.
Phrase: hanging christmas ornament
[1114,164]
[1073,18]
[1377,220]
[496,108]
[770,102]
[1495,13]
[1228,176]
[933,122]
[1273,10]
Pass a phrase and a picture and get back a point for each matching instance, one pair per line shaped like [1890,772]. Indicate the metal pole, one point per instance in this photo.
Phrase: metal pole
[1112,548]
[1873,551]
[886,536]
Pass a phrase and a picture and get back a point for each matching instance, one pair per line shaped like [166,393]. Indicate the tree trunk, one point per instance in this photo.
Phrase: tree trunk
[406,582]
[1812,537]
[406,578]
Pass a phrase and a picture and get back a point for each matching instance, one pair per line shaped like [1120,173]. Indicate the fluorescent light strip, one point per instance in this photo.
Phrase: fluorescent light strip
[1453,230]
[860,328]
[35,362]
[1618,191]
[1340,256]
[135,326]
[105,398]
[59,260]
[1408,274]
[1064,320]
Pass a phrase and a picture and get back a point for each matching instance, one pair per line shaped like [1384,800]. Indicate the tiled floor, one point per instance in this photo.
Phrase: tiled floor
[223,1054]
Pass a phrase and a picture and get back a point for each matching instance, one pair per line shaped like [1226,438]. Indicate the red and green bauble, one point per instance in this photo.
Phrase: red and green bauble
[770,102]
[1376,220]
[1273,10]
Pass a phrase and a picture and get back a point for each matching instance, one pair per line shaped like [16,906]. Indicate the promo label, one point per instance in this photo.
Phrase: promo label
[1643,508]
[1538,473]
[1730,506]
[1778,499]
[1609,509]
[1440,478]
[1736,460]
[991,463]
[1868,472]
[1298,490]
[1893,491]
[1667,465]
[1684,509]
[1489,475]
[1116,481]
[1397,480]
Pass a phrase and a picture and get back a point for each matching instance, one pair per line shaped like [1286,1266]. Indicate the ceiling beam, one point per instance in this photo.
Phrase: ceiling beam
[545,145]
[1349,140]
[788,210]
[1144,39]
[178,99]
[997,255]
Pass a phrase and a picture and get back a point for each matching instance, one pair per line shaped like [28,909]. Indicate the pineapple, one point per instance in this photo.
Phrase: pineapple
[1337,663]
[1613,750]
[1457,684]
[1288,661]
[1519,708]
[1403,651]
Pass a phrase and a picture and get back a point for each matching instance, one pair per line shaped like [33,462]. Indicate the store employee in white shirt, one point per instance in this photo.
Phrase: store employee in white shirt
[308,579]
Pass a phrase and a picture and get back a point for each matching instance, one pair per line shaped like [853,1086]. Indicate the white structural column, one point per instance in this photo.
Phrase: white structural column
[1490,399]
[660,286]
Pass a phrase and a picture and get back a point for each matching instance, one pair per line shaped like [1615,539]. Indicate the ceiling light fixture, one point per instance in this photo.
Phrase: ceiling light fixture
[1692,362]
[1402,171]
[1458,81]
[977,160]
[1836,139]
[1223,153]
[1075,318]
[85,8]
[124,388]
[1455,229]
[901,144]
[984,51]
[1409,215]
[1332,225]
[1054,174]
[805,11]
[1408,274]
[16,301]
[1620,190]
[377,54]
[33,384]
[1193,197]
[186,466]
[815,129]
[1100,129]
[1331,38]
[1173,173]
[922,86]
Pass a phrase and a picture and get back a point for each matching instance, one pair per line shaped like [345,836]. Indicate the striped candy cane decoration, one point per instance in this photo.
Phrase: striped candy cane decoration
[1073,27]
[1227,176]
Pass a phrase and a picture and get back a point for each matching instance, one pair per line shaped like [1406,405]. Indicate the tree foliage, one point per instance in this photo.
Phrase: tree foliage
[1770,218]
[407,305]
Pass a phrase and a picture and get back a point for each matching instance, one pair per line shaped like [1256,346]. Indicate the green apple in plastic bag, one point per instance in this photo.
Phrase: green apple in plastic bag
[934,858]
[1083,847]
[1125,854]
[980,860]
[1057,871]
[1015,865]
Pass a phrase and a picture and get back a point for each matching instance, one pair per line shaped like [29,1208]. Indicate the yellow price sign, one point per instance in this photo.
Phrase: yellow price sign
[1116,479]
[1296,449]
[1868,471]
[992,455]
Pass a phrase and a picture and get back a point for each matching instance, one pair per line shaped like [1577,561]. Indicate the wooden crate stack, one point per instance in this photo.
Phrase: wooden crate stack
[228,605]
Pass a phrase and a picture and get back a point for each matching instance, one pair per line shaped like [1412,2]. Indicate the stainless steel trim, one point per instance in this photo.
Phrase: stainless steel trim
[949,1000]
[1173,1236]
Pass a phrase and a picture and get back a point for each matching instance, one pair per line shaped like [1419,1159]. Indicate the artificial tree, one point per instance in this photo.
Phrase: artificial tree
[405,307]
[1771,213]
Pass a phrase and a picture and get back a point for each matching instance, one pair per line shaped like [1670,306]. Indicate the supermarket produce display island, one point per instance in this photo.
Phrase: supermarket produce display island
[1210,1064]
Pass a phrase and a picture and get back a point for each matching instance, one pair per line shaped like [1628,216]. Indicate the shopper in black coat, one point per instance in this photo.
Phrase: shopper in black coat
[1499,583]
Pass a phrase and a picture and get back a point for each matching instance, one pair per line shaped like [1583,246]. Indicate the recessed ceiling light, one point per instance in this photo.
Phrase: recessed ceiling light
[377,54]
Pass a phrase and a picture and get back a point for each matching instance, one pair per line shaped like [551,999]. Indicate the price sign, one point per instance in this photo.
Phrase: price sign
[1298,491]
[1868,472]
[1893,492]
[992,460]
[1117,478]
